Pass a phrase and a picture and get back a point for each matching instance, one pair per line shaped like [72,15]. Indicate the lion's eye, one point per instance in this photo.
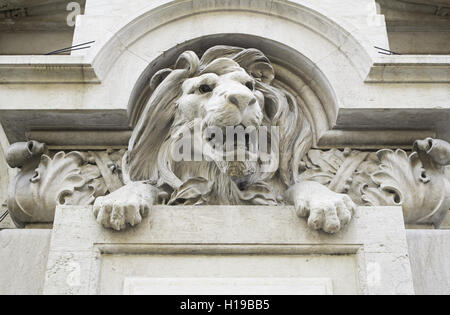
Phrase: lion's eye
[250,85]
[205,88]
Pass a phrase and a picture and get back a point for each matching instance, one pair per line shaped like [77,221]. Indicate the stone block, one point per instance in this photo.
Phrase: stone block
[429,253]
[23,261]
[370,256]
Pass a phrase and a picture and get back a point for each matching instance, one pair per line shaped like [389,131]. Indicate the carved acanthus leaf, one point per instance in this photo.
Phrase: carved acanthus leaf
[58,179]
[322,166]
[95,186]
[385,178]
[338,170]
[382,179]
[399,179]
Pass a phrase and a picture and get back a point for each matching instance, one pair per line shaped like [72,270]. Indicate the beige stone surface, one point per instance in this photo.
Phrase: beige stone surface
[36,27]
[228,286]
[7,223]
[446,224]
[81,249]
[273,272]
[429,253]
[23,259]
[417,26]
[33,43]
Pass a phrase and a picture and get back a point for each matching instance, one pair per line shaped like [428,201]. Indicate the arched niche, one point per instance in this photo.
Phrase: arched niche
[328,27]
[318,54]
[294,72]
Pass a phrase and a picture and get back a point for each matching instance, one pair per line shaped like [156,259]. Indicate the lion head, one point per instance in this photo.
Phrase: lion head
[229,87]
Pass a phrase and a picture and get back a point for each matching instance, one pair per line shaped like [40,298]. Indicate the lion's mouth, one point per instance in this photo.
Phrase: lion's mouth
[237,146]
[235,154]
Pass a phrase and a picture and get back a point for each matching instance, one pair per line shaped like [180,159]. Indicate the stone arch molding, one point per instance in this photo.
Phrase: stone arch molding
[299,31]
[323,23]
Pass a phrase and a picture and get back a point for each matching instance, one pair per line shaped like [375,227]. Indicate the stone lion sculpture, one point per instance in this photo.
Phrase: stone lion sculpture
[189,113]
[228,86]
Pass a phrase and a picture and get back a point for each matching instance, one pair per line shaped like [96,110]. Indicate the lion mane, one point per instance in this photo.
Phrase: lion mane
[147,159]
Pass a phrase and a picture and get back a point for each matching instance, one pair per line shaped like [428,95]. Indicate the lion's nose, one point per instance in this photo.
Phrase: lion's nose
[242,100]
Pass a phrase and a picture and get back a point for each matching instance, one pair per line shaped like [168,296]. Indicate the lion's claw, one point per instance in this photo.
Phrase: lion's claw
[324,209]
[117,215]
[124,207]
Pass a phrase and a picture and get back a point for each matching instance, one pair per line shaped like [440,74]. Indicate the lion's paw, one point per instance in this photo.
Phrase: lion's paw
[117,214]
[327,215]
[126,206]
[324,209]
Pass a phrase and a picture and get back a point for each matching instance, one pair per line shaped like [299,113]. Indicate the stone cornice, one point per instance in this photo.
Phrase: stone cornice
[74,69]
[46,70]
[410,69]
[428,7]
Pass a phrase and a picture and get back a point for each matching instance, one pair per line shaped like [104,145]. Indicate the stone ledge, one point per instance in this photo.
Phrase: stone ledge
[24,256]
[74,69]
[410,69]
[261,225]
[376,239]
[46,70]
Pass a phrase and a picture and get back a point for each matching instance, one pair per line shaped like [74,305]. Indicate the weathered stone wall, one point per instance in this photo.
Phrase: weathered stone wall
[429,254]
[23,259]
[363,14]
[85,258]
[33,43]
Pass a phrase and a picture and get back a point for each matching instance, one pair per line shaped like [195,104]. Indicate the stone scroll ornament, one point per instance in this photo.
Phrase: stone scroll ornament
[48,179]
[227,87]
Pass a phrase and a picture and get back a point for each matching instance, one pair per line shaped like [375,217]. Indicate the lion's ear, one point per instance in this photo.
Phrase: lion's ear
[189,62]
[256,64]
